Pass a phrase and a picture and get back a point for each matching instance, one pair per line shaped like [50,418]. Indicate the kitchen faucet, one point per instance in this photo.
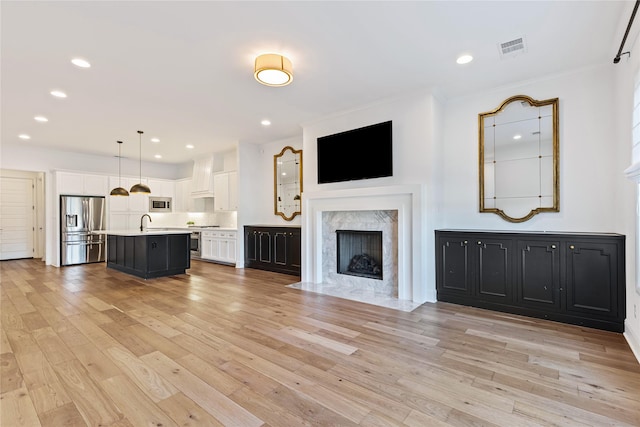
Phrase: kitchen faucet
[142,218]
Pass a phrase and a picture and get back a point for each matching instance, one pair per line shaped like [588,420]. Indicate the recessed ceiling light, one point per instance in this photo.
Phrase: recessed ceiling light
[24,136]
[265,122]
[464,59]
[79,62]
[158,156]
[517,136]
[155,140]
[189,146]
[58,94]
[41,119]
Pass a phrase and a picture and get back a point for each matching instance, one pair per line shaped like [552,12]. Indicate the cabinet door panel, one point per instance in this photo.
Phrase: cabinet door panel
[494,269]
[206,247]
[264,245]
[157,253]
[295,249]
[112,246]
[231,250]
[251,245]
[280,250]
[592,278]
[538,278]
[179,247]
[453,268]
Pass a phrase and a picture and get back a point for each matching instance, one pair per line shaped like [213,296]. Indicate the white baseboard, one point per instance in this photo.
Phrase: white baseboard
[632,340]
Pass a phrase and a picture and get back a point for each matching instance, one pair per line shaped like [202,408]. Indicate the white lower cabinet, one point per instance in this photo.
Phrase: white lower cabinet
[219,246]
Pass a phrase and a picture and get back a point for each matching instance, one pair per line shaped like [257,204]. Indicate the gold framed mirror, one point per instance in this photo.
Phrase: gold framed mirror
[519,165]
[287,181]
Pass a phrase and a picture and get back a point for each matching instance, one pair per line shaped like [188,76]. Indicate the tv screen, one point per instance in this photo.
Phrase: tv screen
[362,153]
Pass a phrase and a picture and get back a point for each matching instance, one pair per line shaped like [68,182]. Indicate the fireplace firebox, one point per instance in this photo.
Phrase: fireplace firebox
[359,253]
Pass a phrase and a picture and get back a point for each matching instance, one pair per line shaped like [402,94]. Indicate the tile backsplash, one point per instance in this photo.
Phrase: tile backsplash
[180,219]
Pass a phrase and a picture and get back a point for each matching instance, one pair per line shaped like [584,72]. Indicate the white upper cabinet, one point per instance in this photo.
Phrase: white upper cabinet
[224,186]
[183,194]
[81,184]
[162,188]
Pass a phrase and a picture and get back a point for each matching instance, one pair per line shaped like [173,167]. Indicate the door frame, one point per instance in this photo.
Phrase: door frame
[39,221]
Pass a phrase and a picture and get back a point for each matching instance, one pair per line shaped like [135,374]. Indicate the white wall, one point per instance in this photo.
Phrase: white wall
[24,157]
[589,173]
[626,214]
[256,188]
[595,146]
[413,125]
[416,140]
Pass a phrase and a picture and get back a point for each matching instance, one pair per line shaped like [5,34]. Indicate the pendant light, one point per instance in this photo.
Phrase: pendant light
[119,191]
[140,188]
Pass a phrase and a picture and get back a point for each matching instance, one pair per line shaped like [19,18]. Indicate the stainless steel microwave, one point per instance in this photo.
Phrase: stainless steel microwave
[159,204]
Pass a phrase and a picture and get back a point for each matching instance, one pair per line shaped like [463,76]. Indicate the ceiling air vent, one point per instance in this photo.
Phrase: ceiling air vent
[512,47]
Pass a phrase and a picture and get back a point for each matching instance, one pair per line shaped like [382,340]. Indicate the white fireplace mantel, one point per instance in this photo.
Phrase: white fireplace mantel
[408,200]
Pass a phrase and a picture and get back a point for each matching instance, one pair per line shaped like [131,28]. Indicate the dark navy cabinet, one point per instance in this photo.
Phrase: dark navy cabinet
[273,248]
[575,278]
[149,256]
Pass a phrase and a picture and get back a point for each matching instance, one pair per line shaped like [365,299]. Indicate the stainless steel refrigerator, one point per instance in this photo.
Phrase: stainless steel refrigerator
[79,217]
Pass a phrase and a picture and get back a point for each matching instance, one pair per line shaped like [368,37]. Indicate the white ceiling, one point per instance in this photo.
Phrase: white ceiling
[183,71]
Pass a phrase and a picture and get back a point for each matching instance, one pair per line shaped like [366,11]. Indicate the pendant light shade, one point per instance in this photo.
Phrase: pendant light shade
[273,70]
[140,188]
[119,191]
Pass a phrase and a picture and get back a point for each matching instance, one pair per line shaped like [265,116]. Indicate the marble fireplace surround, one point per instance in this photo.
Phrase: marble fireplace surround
[407,200]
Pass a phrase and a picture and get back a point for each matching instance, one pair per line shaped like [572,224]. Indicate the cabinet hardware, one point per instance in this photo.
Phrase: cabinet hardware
[572,247]
[553,246]
[465,242]
[479,242]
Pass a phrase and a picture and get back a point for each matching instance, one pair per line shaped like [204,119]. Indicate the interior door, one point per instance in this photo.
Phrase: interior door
[17,218]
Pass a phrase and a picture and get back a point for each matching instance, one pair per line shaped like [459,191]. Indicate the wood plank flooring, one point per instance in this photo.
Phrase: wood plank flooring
[219,346]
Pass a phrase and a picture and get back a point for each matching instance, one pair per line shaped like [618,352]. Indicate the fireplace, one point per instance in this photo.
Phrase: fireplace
[400,212]
[359,253]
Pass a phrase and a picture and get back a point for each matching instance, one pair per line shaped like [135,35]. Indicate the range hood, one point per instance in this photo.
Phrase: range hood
[202,179]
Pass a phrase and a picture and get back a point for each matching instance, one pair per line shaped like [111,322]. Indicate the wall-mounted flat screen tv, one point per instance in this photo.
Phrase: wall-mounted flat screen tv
[362,153]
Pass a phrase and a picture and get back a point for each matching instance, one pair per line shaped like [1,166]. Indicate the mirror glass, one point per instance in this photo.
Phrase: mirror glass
[519,158]
[287,168]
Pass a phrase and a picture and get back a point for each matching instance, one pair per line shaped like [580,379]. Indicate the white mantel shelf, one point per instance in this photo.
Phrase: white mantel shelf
[408,200]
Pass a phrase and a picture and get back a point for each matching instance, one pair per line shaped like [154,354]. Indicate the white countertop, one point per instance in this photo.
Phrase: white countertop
[146,232]
[195,228]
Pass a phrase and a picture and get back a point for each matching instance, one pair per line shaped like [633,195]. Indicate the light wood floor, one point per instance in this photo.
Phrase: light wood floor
[86,345]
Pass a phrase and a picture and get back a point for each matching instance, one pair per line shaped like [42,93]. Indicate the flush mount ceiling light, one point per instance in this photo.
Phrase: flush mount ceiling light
[140,188]
[272,69]
[24,136]
[58,94]
[119,191]
[41,119]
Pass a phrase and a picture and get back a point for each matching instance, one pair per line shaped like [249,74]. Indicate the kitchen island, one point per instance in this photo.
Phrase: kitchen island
[148,253]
